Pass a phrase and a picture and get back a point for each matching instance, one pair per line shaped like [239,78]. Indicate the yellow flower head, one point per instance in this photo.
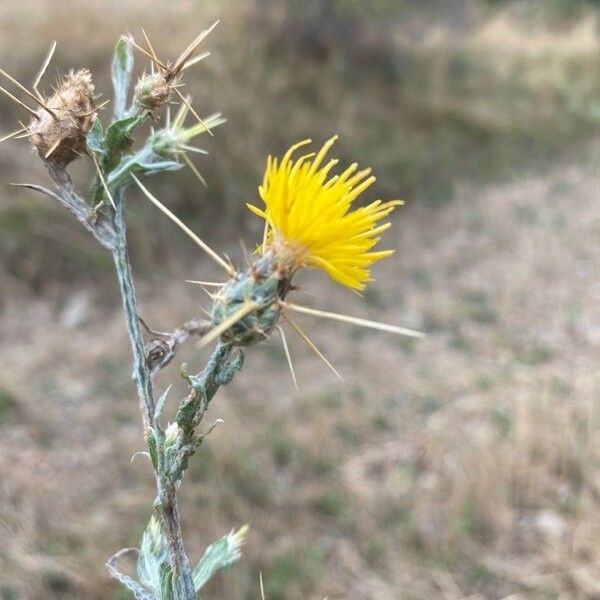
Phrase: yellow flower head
[310,218]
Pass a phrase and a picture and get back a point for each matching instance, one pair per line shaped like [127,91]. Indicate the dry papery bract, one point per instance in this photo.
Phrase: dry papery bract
[59,131]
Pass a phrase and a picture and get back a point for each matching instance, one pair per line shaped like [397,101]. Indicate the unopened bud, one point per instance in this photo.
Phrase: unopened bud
[152,91]
[171,435]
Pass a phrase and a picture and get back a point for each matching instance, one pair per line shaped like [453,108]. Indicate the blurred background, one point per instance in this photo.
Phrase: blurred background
[464,465]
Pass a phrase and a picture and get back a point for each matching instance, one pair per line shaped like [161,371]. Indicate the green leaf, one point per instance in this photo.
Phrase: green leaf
[153,557]
[160,405]
[153,449]
[145,162]
[116,141]
[95,137]
[186,412]
[218,556]
[166,582]
[118,135]
[122,66]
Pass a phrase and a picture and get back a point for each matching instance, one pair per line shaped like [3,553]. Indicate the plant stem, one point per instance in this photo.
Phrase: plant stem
[141,374]
[183,581]
[166,502]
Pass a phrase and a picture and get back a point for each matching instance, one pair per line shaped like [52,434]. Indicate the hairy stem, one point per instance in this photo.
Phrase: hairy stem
[141,374]
[169,512]
[111,232]
[166,504]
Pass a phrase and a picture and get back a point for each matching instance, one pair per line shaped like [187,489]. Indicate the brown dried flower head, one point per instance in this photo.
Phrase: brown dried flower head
[59,133]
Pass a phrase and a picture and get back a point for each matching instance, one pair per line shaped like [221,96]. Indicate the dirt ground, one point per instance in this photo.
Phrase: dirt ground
[463,465]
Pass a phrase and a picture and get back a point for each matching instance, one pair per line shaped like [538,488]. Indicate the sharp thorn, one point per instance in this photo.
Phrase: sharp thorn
[30,110]
[353,320]
[30,94]
[310,343]
[184,227]
[288,356]
[54,147]
[194,170]
[43,68]
[183,99]
[13,134]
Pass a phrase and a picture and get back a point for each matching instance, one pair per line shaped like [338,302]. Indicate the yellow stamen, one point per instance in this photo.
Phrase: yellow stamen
[310,220]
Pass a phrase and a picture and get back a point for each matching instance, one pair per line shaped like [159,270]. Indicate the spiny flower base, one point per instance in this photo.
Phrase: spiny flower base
[259,288]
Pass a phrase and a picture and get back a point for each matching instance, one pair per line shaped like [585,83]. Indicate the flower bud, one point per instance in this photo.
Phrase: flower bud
[152,91]
[171,435]
[59,133]
[172,140]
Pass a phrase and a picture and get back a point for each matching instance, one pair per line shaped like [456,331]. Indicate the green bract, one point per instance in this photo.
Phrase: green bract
[261,285]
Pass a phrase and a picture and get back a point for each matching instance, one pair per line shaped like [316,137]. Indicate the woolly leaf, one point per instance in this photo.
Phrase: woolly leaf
[218,556]
[139,592]
[153,449]
[144,162]
[122,66]
[161,404]
[166,582]
[95,137]
[154,555]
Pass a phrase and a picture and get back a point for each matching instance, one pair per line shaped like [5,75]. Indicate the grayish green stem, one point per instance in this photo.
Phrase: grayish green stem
[141,374]
[108,226]
[166,500]
[112,234]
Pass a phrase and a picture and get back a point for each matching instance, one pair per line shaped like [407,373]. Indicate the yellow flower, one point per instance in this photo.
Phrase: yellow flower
[310,217]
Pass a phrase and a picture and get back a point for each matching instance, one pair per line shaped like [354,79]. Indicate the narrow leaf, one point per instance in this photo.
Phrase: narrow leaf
[218,556]
[122,66]
[153,556]
[161,404]
[118,135]
[153,450]
[166,582]
[143,163]
[95,137]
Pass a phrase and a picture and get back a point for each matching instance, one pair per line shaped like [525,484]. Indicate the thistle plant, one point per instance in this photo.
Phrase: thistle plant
[309,223]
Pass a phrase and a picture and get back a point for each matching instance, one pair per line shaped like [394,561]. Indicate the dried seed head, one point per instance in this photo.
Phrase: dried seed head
[59,133]
[152,91]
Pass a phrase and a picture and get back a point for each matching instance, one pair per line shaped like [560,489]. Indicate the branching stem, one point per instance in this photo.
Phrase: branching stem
[169,454]
[166,504]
